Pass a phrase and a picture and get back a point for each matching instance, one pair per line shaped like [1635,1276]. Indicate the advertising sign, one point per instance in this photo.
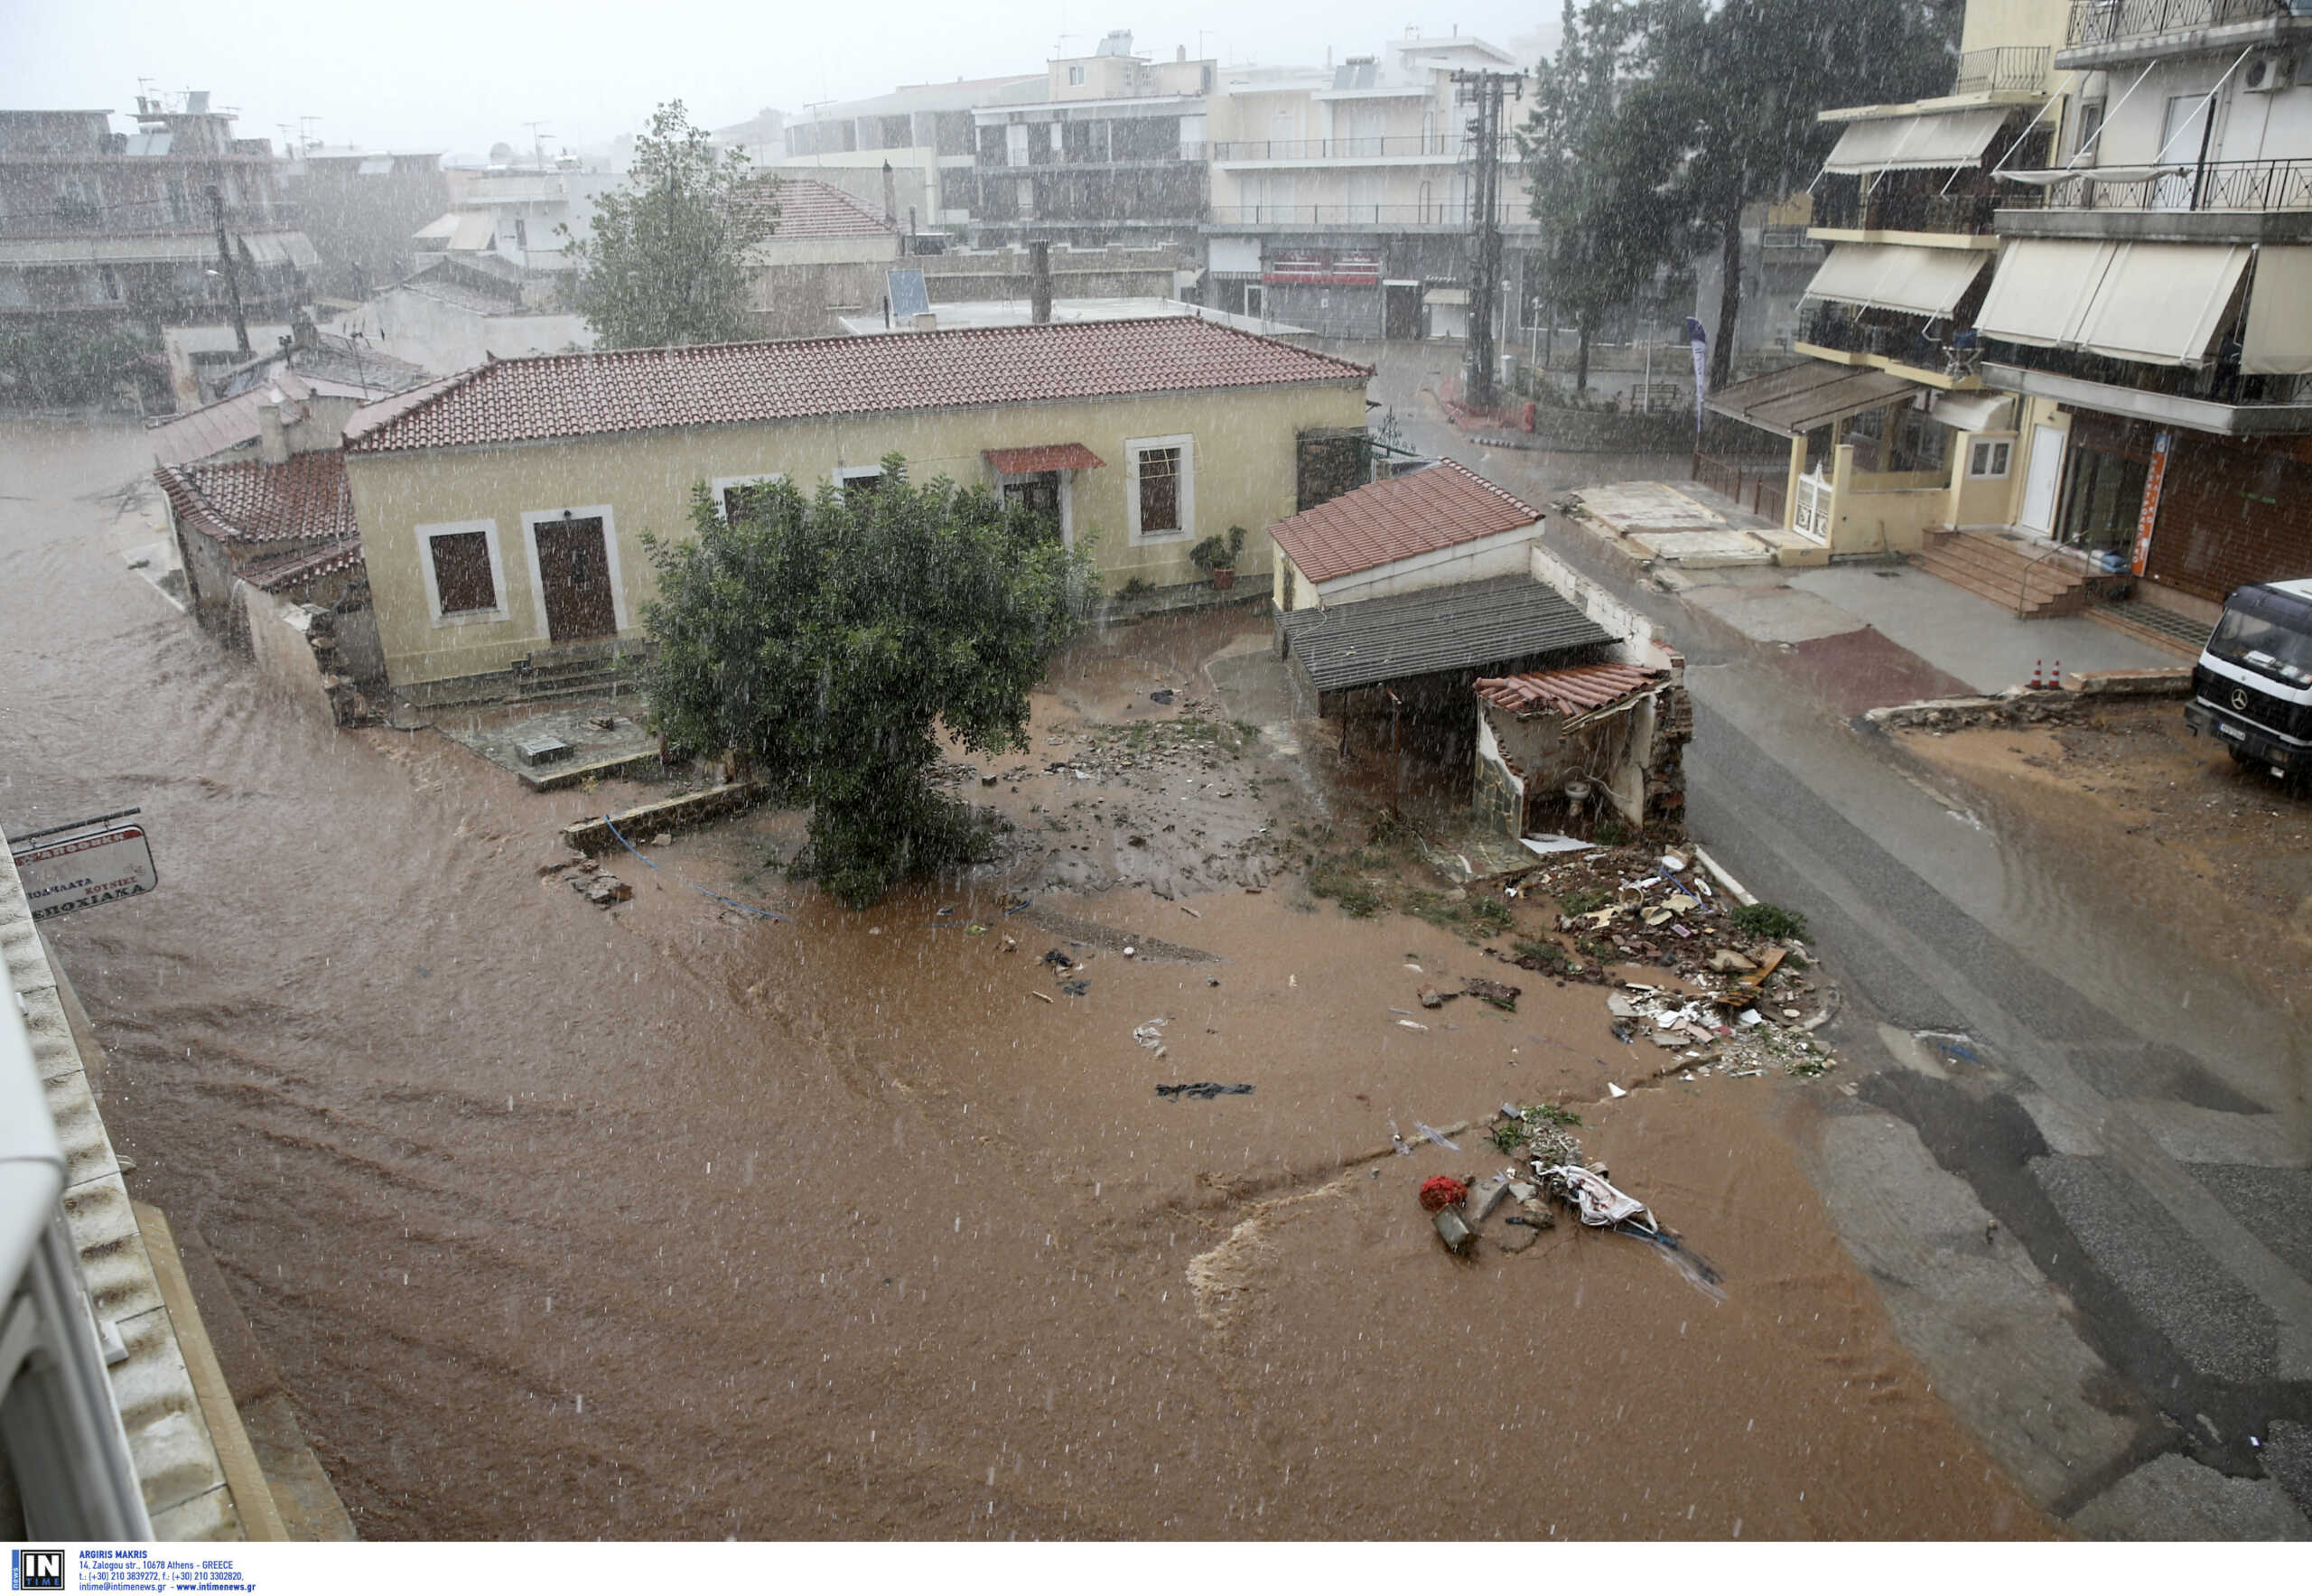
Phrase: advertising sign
[63,874]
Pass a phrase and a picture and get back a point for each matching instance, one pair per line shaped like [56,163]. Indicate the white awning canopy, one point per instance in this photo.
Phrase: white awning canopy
[1973,412]
[2048,178]
[2279,342]
[1912,277]
[2161,303]
[1902,144]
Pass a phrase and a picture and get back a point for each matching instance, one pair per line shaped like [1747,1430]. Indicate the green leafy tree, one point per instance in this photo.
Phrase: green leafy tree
[669,260]
[1602,153]
[1749,79]
[828,640]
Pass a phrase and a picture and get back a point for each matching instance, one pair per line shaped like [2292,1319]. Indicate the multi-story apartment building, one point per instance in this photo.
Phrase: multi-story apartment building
[1113,152]
[510,217]
[1340,197]
[2153,298]
[359,208]
[2065,331]
[910,153]
[112,232]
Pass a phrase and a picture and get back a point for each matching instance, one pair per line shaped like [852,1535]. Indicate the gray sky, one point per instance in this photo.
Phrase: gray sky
[458,75]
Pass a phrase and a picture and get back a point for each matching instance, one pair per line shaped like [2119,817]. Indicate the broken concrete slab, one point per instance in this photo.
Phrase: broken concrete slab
[691,808]
[2174,1499]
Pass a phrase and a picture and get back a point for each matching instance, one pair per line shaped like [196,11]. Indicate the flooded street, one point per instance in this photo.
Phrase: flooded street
[666,1222]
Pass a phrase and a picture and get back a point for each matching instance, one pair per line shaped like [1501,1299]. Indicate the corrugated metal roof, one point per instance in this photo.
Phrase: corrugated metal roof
[606,391]
[1798,398]
[1468,626]
[1571,691]
[1383,522]
[228,423]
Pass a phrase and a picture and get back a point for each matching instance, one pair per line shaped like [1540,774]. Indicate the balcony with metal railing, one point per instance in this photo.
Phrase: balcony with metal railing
[1918,345]
[1850,202]
[2216,201]
[2005,68]
[1319,152]
[1442,216]
[2104,33]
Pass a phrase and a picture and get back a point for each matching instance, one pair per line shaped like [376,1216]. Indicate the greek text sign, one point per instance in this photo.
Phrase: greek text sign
[94,867]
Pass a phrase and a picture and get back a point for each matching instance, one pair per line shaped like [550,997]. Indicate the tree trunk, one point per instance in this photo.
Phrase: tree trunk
[1582,360]
[1730,290]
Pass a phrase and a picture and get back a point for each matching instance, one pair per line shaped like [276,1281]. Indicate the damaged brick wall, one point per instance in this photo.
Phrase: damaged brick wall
[1665,769]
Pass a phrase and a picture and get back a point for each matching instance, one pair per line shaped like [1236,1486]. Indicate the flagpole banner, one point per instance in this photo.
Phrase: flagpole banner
[1699,337]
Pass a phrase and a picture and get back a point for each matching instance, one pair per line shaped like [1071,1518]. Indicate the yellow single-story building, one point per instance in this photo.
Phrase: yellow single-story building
[502,510]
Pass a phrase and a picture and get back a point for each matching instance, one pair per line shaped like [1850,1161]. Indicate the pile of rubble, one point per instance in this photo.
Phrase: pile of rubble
[586,876]
[1725,1033]
[2018,706]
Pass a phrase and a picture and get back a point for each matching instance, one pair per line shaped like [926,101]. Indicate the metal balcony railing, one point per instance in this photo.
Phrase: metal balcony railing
[2111,22]
[1438,146]
[1913,340]
[1847,203]
[2220,185]
[2005,68]
[1441,214]
[2219,382]
[143,218]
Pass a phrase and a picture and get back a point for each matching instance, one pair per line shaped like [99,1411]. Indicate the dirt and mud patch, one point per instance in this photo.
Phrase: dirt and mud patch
[2208,850]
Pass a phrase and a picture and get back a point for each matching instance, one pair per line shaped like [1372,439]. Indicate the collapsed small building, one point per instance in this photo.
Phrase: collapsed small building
[1426,606]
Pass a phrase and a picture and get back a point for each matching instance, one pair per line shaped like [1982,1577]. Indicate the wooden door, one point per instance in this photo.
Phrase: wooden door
[574,567]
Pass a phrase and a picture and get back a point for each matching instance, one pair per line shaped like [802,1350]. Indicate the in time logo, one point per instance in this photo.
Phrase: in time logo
[36,1570]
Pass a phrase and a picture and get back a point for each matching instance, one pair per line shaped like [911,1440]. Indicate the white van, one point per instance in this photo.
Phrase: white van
[2252,687]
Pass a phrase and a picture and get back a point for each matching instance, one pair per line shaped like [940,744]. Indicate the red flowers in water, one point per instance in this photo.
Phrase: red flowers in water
[1440,1192]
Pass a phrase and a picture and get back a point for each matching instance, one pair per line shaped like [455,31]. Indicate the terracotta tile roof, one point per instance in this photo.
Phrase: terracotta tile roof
[250,502]
[1383,522]
[1044,457]
[716,384]
[809,209]
[281,573]
[1573,691]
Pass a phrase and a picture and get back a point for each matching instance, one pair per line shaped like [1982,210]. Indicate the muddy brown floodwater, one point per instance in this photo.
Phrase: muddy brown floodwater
[653,1223]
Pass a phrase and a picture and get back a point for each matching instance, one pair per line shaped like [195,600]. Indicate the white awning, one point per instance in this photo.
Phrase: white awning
[2041,291]
[1973,412]
[2048,178]
[1912,277]
[2164,303]
[1900,144]
[281,250]
[2279,342]
[476,230]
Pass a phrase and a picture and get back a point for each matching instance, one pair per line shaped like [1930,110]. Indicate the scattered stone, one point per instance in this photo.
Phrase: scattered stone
[1727,962]
[1430,998]
[1499,995]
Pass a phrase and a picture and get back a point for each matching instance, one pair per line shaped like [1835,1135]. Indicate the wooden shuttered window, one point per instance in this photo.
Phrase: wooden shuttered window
[461,573]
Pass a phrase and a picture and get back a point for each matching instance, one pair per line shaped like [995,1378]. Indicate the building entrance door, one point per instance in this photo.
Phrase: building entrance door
[2038,511]
[1401,309]
[574,571]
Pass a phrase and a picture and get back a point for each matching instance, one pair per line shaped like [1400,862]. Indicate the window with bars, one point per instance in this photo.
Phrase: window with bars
[462,580]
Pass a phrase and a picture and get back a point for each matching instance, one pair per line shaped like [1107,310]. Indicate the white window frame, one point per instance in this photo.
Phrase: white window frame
[2002,449]
[1066,499]
[1134,448]
[846,475]
[1076,76]
[425,536]
[723,485]
[530,519]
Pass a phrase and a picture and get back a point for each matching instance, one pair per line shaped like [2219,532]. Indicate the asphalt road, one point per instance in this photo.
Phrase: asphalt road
[2083,1196]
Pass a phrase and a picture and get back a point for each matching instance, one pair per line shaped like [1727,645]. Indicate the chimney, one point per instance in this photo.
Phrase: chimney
[891,194]
[1179,53]
[1039,281]
[271,440]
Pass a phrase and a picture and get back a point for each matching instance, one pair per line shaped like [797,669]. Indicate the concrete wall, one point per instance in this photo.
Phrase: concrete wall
[1502,555]
[1884,512]
[804,299]
[281,640]
[1244,449]
[443,338]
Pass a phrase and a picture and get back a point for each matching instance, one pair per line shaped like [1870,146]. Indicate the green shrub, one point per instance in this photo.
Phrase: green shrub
[1769,919]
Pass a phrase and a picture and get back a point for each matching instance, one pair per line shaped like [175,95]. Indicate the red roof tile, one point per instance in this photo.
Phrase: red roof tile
[1573,691]
[250,502]
[809,209]
[719,385]
[280,572]
[1044,457]
[1383,522]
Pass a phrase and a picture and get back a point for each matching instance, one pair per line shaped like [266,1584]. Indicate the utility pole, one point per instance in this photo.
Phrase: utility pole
[1485,229]
[232,270]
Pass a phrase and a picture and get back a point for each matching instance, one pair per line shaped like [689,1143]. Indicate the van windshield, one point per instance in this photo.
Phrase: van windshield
[2264,643]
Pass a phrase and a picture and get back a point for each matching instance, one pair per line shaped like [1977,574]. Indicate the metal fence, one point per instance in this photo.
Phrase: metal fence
[2108,21]
[2005,67]
[1758,487]
[1412,145]
[2219,185]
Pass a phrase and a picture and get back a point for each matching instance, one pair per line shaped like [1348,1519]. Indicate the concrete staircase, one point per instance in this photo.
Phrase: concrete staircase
[2026,579]
[602,669]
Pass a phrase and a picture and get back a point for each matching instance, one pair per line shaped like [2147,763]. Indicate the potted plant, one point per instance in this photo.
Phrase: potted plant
[1217,558]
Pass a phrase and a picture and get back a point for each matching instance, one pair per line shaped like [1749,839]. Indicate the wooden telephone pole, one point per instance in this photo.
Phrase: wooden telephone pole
[1485,89]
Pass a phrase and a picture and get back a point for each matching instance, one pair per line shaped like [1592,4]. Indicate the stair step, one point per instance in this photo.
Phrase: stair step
[2153,624]
[1993,560]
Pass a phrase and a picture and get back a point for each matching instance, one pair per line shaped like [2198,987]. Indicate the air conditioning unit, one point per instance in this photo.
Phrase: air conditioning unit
[2268,71]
